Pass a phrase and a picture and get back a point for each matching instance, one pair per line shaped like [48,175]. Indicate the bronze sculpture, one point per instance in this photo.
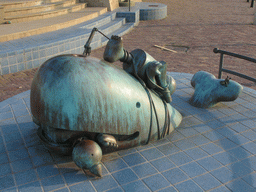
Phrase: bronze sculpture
[85,106]
[209,90]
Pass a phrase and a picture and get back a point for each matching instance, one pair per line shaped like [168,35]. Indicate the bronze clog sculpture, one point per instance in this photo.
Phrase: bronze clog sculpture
[86,107]
[209,90]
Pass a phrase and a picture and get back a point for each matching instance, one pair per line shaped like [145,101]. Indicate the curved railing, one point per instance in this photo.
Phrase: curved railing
[222,53]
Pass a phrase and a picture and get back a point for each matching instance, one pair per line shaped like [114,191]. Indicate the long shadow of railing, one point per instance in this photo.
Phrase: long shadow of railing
[221,69]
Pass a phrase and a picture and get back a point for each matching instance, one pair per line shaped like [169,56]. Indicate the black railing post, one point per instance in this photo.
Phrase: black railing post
[222,53]
[220,67]
[129,5]
[252,3]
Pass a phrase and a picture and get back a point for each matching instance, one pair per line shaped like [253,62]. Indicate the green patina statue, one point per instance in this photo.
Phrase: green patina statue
[87,107]
[209,90]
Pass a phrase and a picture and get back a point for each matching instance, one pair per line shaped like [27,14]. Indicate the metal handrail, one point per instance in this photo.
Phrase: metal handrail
[222,53]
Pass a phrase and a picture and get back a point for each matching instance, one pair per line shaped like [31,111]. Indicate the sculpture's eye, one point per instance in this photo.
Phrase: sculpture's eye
[138,104]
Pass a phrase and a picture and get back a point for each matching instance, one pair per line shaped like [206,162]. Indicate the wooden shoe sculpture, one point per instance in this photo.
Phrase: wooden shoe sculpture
[209,90]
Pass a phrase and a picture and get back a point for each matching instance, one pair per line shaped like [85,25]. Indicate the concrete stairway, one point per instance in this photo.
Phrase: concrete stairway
[17,12]
[27,45]
[32,51]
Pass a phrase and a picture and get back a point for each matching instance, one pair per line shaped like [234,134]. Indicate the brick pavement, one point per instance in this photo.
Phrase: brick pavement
[193,29]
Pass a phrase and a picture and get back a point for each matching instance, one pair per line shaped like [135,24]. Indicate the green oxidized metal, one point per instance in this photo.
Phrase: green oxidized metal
[85,105]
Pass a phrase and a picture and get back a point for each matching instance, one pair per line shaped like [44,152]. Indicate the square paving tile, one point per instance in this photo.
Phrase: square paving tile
[134,159]
[215,124]
[163,164]
[34,186]
[18,154]
[26,177]
[199,140]
[209,163]
[136,186]
[223,174]
[239,127]
[238,139]
[175,175]
[53,183]
[156,182]
[249,134]
[105,183]
[188,186]
[169,189]
[193,169]
[213,135]
[207,182]
[117,189]
[151,154]
[180,158]
[196,153]
[226,144]
[125,176]
[250,179]
[239,185]
[47,171]
[251,147]
[211,148]
[221,189]
[168,149]
[83,186]
[115,165]
[7,129]
[74,177]
[22,165]
[5,169]
[239,169]
[184,144]
[144,170]
[225,158]
[3,158]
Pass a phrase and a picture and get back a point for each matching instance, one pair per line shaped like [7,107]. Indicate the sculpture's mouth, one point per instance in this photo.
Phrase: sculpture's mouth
[65,149]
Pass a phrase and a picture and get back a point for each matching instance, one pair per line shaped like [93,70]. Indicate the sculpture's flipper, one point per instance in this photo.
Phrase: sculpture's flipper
[107,140]
[209,90]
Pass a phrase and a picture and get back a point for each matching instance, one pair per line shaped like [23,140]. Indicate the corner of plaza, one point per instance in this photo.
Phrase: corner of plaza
[213,149]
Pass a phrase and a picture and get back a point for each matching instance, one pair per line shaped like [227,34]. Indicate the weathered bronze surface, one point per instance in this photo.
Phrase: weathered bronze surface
[209,90]
[85,106]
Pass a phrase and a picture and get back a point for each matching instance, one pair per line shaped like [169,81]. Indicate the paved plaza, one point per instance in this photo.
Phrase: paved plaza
[212,150]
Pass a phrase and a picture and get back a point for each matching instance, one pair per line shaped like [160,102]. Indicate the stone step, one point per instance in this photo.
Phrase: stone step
[21,30]
[30,52]
[62,3]
[44,14]
[28,10]
[43,7]
[13,5]
[52,1]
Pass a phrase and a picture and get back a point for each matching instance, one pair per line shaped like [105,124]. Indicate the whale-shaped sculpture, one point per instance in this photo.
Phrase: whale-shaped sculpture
[209,90]
[86,107]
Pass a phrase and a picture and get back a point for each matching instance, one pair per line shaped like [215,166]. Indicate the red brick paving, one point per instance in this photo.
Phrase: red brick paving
[196,25]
